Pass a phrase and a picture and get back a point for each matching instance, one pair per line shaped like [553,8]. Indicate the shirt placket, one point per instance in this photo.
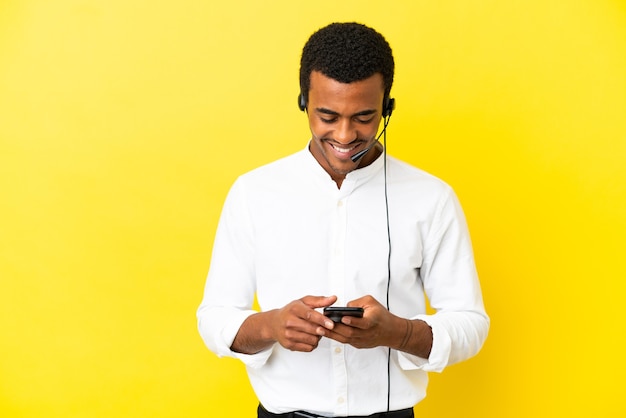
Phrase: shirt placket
[337,281]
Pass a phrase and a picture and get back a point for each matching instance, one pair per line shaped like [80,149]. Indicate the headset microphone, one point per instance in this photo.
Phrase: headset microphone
[358,155]
[389,106]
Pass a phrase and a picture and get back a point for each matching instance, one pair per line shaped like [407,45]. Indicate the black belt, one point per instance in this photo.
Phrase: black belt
[403,413]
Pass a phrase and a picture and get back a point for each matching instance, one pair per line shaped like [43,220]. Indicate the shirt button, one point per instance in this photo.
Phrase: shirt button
[337,350]
[340,203]
[340,400]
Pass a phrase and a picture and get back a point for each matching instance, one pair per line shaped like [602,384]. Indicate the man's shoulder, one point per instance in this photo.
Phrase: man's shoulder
[416,189]
[403,171]
[282,168]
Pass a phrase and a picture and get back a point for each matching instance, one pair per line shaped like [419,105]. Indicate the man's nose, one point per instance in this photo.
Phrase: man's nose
[345,132]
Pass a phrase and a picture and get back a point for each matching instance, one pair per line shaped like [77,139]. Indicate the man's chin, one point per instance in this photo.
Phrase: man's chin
[343,167]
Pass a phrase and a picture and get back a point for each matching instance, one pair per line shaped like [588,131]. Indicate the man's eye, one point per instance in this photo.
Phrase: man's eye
[365,121]
[328,120]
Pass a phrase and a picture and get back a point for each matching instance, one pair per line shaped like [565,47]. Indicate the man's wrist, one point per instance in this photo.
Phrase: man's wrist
[413,337]
[408,332]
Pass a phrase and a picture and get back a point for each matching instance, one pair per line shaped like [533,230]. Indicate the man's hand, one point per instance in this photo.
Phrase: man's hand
[297,326]
[379,327]
[373,330]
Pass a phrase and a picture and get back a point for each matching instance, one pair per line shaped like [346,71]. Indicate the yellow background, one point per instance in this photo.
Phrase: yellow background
[123,124]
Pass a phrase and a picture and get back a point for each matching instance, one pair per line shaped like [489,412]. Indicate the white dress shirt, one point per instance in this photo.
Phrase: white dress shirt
[287,231]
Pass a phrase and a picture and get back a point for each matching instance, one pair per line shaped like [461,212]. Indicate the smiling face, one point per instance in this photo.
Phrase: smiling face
[344,119]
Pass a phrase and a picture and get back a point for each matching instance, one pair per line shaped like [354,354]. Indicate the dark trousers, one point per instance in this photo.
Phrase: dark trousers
[404,413]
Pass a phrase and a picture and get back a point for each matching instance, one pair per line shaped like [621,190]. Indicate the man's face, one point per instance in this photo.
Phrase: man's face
[344,120]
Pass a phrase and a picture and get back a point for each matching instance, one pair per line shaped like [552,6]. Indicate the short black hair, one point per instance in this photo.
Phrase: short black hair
[346,52]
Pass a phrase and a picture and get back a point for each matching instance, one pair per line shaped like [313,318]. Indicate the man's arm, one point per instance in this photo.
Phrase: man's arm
[297,327]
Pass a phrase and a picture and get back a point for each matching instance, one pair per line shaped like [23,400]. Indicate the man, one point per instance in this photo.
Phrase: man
[341,223]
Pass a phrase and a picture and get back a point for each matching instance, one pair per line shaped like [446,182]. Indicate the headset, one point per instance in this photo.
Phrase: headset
[389,104]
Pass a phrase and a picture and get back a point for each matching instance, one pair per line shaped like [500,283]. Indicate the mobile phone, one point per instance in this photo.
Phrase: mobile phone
[335,313]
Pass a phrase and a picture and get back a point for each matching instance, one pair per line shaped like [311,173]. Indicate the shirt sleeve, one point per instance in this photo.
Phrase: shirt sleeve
[230,286]
[460,324]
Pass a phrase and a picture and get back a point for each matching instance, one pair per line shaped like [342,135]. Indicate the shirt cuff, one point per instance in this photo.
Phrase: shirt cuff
[229,332]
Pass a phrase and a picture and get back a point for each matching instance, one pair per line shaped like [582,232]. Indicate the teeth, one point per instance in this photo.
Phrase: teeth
[342,149]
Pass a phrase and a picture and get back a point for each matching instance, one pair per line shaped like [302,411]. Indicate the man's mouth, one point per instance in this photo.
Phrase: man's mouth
[343,150]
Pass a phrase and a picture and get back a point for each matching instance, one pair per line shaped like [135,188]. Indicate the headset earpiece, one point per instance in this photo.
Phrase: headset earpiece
[301,102]
[388,105]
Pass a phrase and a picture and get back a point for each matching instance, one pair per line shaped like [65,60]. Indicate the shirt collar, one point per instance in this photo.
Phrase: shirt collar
[353,178]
